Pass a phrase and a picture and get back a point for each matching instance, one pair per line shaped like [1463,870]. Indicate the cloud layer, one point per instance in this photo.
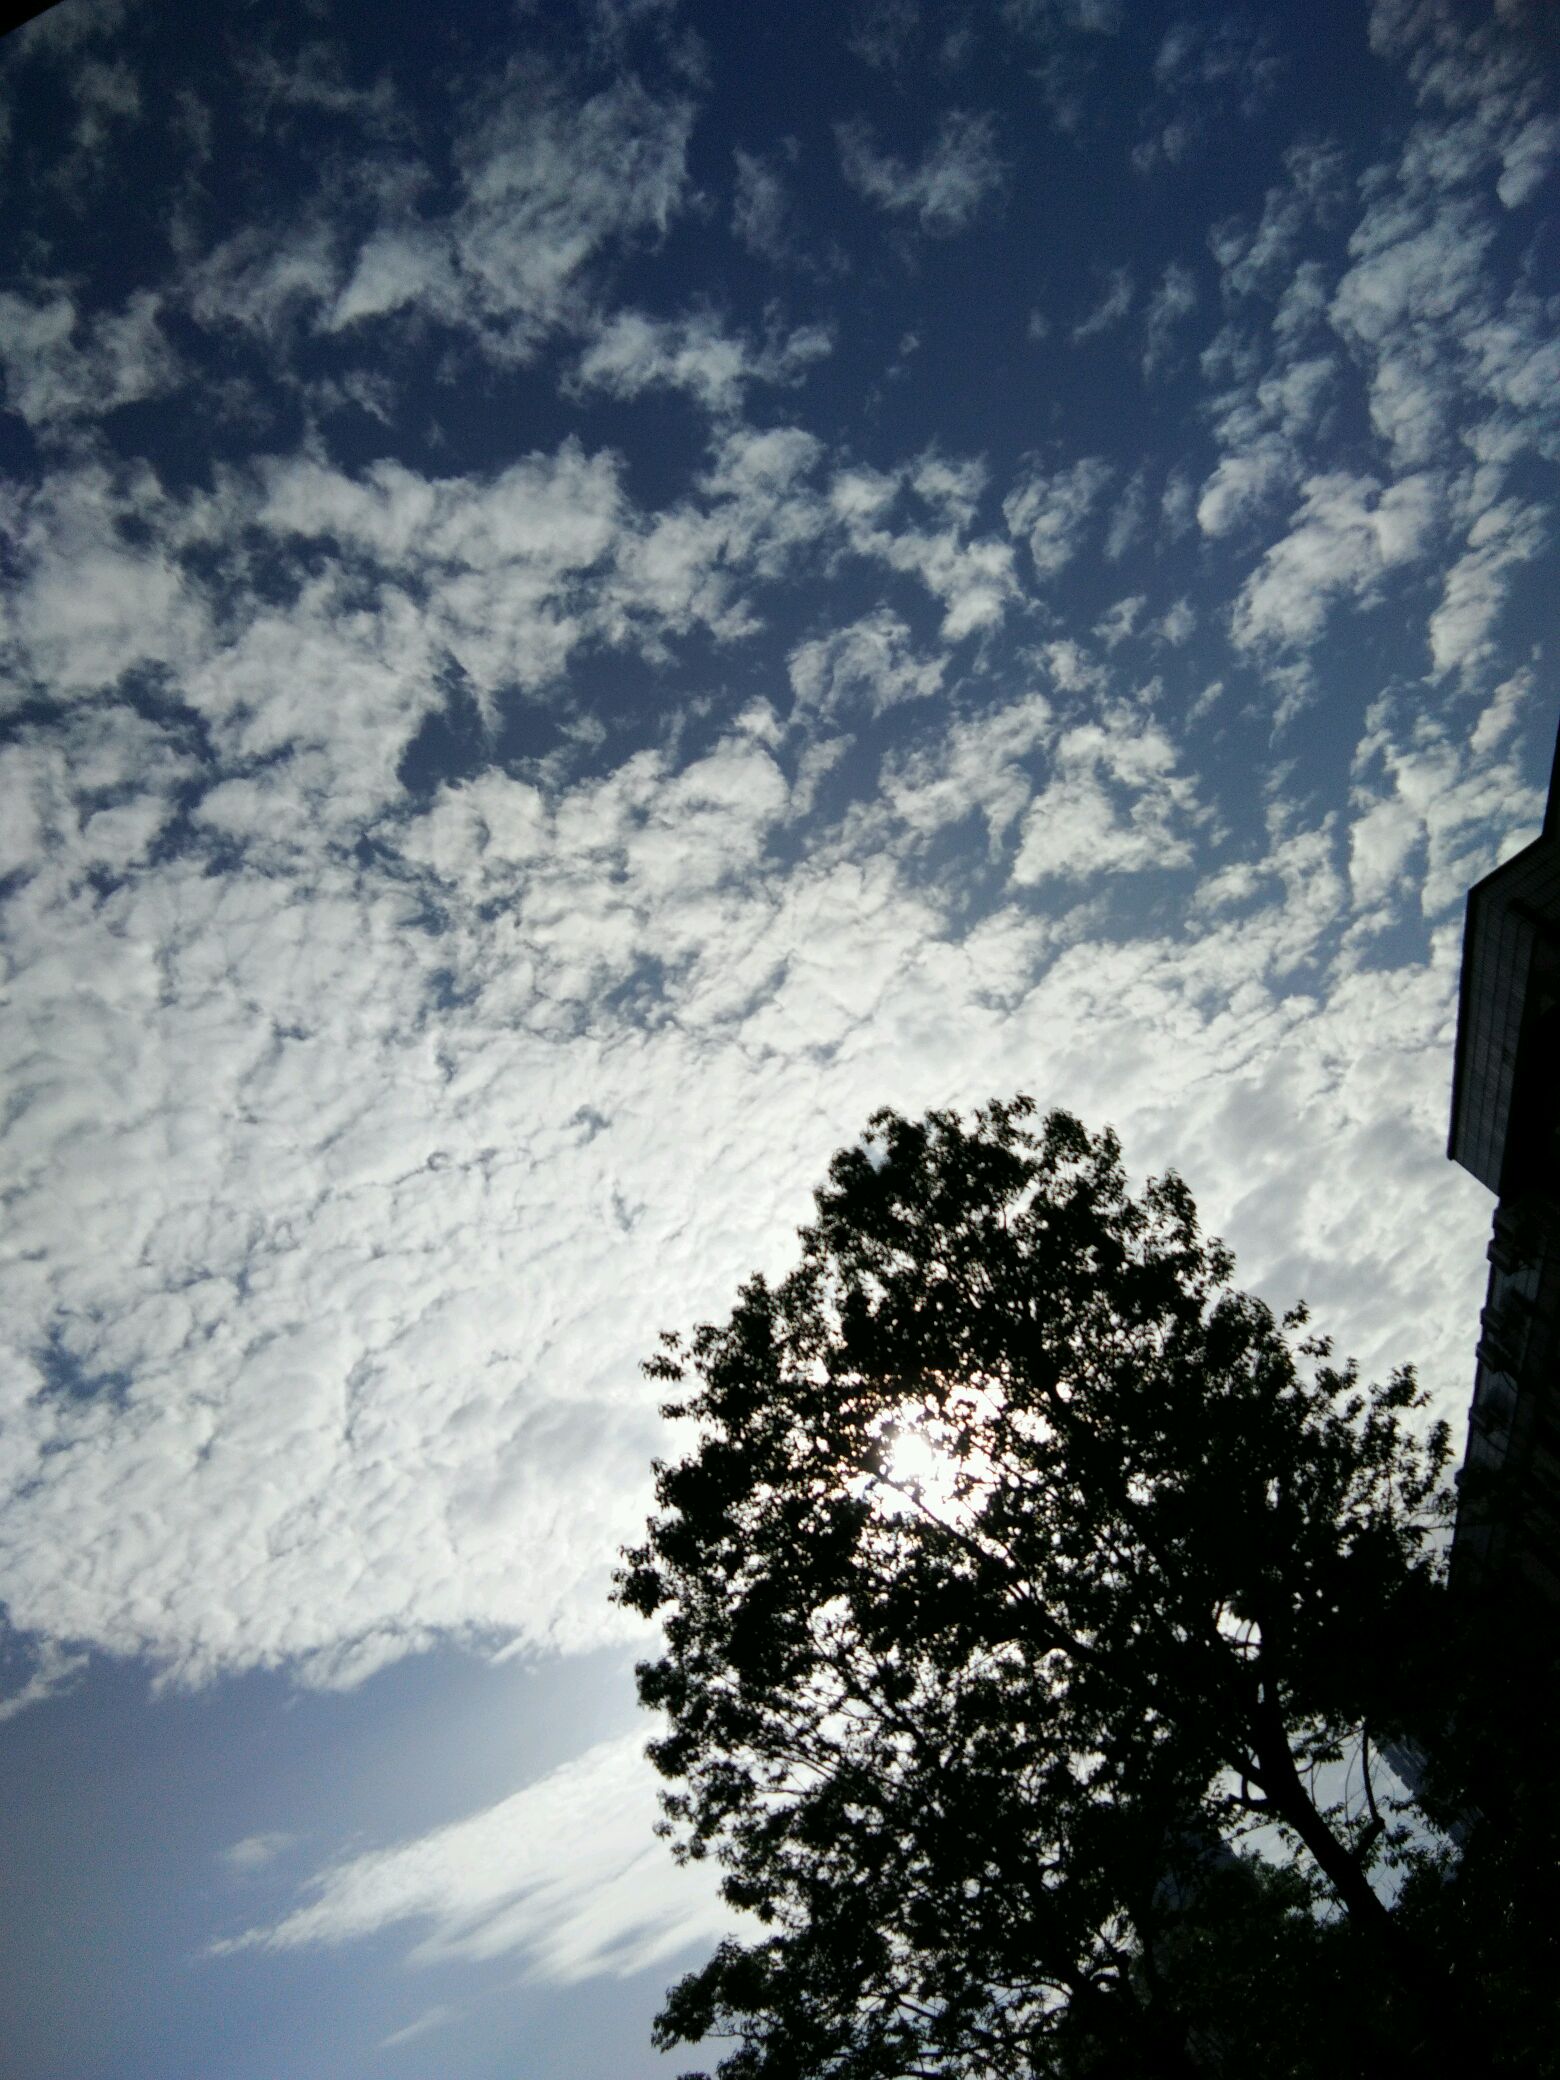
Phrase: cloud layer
[459,891]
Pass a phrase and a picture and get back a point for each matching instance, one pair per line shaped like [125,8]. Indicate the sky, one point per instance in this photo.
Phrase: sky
[588,594]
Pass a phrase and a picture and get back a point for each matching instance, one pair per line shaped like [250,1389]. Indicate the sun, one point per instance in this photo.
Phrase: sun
[928,1466]
[918,1462]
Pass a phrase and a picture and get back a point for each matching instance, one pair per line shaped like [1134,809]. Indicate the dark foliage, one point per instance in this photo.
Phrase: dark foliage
[1021,1585]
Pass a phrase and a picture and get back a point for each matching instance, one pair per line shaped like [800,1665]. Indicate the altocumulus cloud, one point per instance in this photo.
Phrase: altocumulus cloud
[809,742]
[379,1277]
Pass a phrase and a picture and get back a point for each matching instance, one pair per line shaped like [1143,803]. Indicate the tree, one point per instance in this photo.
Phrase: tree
[1490,1902]
[1020,1568]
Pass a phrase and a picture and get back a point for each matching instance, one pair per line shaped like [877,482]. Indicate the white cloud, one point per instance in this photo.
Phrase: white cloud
[314,76]
[1440,317]
[1526,158]
[430,2019]
[1207,75]
[1178,503]
[313,708]
[1459,61]
[350,1182]
[946,191]
[1114,301]
[60,33]
[1127,519]
[1174,300]
[1263,421]
[60,367]
[1051,510]
[55,1671]
[93,791]
[871,664]
[1501,713]
[1047,17]
[1503,537]
[1418,270]
[1259,260]
[1275,381]
[548,184]
[1114,804]
[972,578]
[761,209]
[373,1180]
[1200,54]
[1425,789]
[1517,358]
[1206,701]
[508,574]
[978,766]
[397,266]
[953,489]
[1382,842]
[88,604]
[1120,620]
[1345,535]
[882,30]
[630,352]
[98,87]
[264,279]
[107,94]
[361,1143]
[566,1876]
[1243,483]
[559,511]
[256,1852]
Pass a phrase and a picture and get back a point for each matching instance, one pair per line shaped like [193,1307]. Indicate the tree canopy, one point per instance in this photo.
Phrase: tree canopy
[1023,1575]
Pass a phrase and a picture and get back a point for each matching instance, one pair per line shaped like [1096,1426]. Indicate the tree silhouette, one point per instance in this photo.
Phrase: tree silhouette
[1020,1568]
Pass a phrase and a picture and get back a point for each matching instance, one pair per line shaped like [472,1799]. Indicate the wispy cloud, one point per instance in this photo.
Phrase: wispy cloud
[946,190]
[1172,302]
[1115,300]
[547,185]
[761,215]
[882,30]
[256,1852]
[1051,509]
[872,664]
[1115,804]
[1346,533]
[1208,73]
[430,2019]
[629,353]
[55,1670]
[566,1876]
[1090,17]
[1501,539]
[971,575]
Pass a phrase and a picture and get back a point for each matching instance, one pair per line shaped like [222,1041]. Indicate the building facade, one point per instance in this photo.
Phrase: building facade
[1505,1129]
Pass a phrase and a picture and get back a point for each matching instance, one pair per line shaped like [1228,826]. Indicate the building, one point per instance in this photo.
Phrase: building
[1506,1130]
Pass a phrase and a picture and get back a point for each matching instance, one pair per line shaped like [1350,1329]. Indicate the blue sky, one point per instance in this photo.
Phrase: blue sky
[587,594]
